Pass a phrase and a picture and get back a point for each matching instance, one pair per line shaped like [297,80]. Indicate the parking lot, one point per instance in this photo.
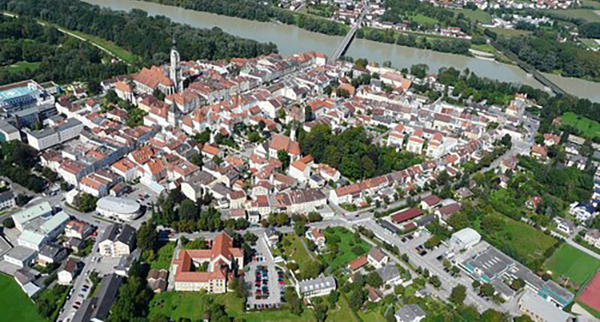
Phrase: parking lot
[265,281]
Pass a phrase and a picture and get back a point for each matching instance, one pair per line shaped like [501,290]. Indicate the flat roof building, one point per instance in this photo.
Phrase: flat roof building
[125,209]
[464,238]
[540,310]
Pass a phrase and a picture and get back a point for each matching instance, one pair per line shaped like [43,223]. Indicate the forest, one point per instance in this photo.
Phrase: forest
[147,37]
[546,54]
[447,45]
[60,58]
[254,10]
[352,152]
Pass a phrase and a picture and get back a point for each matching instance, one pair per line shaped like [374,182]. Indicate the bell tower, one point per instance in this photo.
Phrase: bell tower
[175,71]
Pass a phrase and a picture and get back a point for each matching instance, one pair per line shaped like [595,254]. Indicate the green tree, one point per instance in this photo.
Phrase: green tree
[147,237]
[458,294]
[284,157]
[374,279]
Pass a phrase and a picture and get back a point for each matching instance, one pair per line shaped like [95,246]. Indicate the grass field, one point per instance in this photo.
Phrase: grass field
[570,262]
[191,305]
[588,128]
[424,20]
[296,251]
[510,32]
[14,304]
[346,243]
[110,46]
[586,14]
[342,312]
[529,242]
[476,15]
[163,258]
[590,43]
[23,65]
[591,3]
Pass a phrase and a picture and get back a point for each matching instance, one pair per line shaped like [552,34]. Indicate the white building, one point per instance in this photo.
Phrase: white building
[125,209]
[48,137]
[117,241]
[464,239]
[319,286]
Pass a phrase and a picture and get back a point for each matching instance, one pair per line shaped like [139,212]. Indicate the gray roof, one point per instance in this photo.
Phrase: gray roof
[6,195]
[409,313]
[389,226]
[388,272]
[318,283]
[106,295]
[542,308]
[491,262]
[121,233]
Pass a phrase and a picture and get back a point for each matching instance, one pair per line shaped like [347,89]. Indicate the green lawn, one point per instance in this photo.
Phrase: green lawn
[14,304]
[342,312]
[347,242]
[23,65]
[485,48]
[163,258]
[191,305]
[296,251]
[570,262]
[424,20]
[590,43]
[476,15]
[510,32]
[588,128]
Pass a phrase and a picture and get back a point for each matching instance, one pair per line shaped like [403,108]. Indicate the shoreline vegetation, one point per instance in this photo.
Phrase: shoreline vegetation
[569,59]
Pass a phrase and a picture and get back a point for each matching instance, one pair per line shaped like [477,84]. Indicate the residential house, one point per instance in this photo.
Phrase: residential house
[377,258]
[117,240]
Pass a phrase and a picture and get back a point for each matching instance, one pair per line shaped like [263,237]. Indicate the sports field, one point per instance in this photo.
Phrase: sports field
[572,263]
[14,304]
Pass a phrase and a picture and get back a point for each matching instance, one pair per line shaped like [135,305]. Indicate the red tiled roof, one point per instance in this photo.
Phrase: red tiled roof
[358,263]
[406,215]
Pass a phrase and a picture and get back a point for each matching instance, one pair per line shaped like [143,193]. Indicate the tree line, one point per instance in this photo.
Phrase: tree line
[542,51]
[61,58]
[254,10]
[148,37]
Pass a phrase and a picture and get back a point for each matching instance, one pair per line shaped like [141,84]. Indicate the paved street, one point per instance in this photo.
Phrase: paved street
[435,267]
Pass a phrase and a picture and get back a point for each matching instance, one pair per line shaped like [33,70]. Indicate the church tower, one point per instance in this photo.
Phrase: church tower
[175,71]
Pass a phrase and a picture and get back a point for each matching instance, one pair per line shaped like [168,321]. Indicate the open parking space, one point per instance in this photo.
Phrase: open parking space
[264,280]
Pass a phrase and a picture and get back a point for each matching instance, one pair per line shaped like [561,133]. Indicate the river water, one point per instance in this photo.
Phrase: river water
[291,39]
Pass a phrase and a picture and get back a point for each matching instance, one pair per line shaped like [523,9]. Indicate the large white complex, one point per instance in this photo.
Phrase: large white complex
[121,208]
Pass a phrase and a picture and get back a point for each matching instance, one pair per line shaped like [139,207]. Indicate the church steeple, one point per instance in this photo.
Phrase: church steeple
[175,71]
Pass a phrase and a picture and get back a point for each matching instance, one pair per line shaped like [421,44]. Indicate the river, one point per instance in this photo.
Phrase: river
[291,39]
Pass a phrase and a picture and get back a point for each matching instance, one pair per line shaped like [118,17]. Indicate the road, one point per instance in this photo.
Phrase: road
[435,268]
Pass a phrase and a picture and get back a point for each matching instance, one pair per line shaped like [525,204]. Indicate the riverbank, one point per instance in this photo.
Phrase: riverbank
[291,39]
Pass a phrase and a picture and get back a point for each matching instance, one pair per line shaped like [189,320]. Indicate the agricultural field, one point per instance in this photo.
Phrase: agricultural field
[572,263]
[588,128]
[14,303]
